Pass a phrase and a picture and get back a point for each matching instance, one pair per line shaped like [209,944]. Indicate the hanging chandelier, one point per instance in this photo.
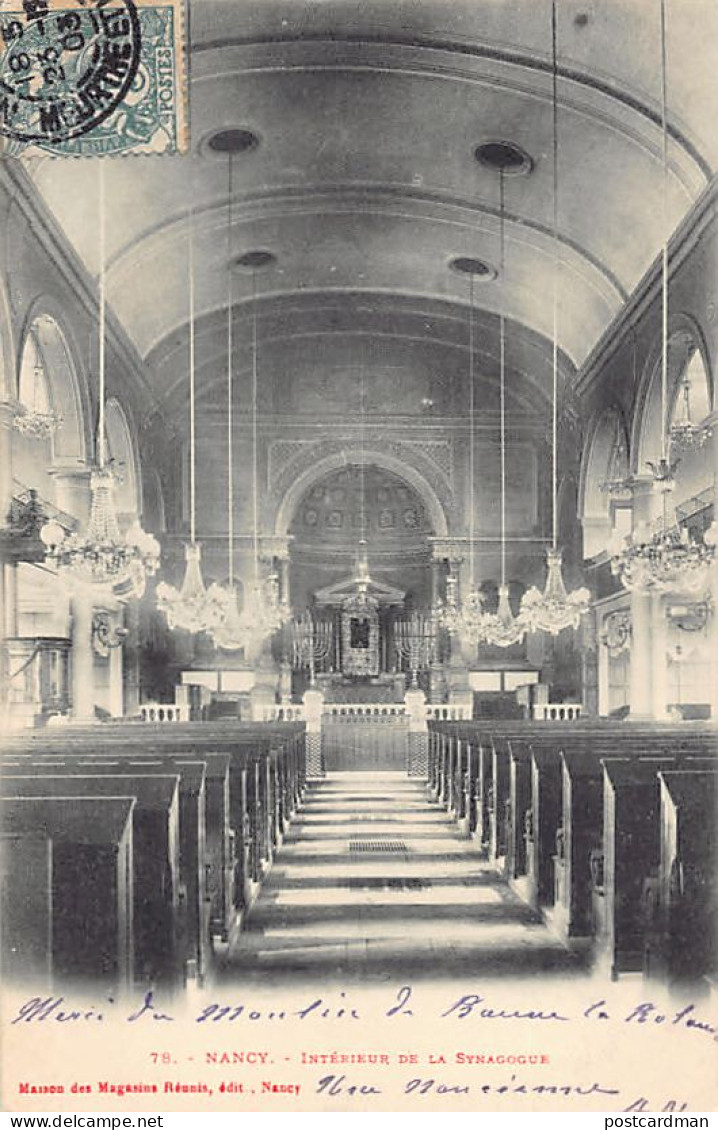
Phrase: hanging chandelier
[264,611]
[190,607]
[229,632]
[464,615]
[32,424]
[684,432]
[100,555]
[36,423]
[666,558]
[501,628]
[445,611]
[618,481]
[554,609]
[39,421]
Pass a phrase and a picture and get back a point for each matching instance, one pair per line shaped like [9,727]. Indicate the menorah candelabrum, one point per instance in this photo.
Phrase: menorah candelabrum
[311,640]
[415,642]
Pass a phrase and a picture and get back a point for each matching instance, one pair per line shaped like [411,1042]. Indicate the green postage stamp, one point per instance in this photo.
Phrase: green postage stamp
[89,78]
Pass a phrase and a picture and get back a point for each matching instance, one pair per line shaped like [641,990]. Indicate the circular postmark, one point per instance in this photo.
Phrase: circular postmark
[65,69]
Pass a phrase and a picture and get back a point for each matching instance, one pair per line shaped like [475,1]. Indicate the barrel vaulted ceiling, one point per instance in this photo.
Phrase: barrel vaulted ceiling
[365,186]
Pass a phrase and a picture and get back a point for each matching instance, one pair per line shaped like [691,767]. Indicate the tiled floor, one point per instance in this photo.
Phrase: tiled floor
[371,882]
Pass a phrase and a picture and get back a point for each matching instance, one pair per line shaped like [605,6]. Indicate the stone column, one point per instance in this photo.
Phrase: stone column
[72,490]
[8,606]
[713,620]
[418,736]
[7,414]
[82,678]
[10,618]
[589,662]
[435,581]
[642,655]
[313,709]
[131,660]
[659,655]
[284,592]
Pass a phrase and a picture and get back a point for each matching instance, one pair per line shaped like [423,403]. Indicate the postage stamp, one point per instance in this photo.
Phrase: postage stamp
[91,78]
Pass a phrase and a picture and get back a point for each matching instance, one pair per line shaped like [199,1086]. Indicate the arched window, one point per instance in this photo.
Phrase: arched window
[603,476]
[121,452]
[688,397]
[691,398]
[33,390]
[49,423]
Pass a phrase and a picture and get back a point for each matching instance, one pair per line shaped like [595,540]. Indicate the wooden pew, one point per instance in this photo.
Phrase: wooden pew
[91,894]
[519,804]
[631,854]
[26,908]
[683,933]
[279,789]
[194,941]
[238,782]
[579,864]
[155,831]
[541,823]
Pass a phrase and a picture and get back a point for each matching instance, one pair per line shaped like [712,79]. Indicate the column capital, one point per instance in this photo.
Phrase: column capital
[448,549]
[71,471]
[8,412]
[275,545]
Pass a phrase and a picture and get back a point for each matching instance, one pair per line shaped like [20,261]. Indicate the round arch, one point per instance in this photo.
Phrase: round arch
[65,386]
[123,451]
[685,338]
[605,456]
[292,497]
[8,388]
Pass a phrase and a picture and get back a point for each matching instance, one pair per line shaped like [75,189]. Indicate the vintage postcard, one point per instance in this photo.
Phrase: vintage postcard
[358,451]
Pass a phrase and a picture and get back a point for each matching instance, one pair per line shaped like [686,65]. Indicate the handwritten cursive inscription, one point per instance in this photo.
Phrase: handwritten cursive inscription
[467,1007]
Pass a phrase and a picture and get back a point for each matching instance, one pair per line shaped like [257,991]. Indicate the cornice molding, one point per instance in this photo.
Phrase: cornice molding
[684,240]
[22,193]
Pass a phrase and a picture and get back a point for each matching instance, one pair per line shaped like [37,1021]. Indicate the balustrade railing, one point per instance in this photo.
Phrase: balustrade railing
[557,711]
[164,712]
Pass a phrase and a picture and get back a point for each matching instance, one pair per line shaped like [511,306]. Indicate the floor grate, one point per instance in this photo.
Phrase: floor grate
[377,845]
[384,884]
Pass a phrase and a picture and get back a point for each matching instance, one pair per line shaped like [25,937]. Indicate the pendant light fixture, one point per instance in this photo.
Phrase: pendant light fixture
[263,611]
[36,420]
[463,614]
[100,556]
[686,433]
[190,607]
[362,577]
[666,559]
[502,629]
[229,634]
[554,609]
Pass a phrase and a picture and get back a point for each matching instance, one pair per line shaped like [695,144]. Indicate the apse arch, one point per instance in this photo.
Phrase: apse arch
[369,456]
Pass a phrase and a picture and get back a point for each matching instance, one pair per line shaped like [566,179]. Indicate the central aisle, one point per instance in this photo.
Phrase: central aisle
[374,883]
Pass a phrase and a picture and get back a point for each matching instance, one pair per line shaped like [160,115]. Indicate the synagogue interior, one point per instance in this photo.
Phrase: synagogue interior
[357,493]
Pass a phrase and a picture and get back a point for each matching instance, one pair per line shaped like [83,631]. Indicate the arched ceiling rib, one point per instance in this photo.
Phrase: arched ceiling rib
[364,179]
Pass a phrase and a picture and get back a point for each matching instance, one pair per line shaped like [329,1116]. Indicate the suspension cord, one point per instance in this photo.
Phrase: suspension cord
[554,419]
[255,489]
[192,429]
[101,439]
[230,406]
